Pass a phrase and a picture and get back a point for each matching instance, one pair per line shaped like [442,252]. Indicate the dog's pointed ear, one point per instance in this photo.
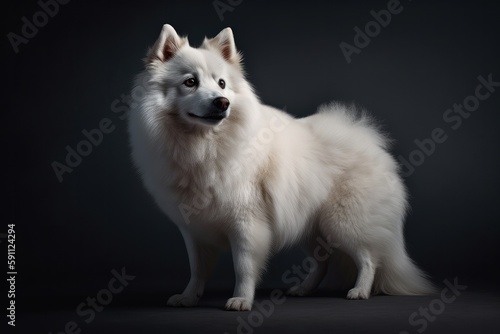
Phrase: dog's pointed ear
[165,46]
[224,42]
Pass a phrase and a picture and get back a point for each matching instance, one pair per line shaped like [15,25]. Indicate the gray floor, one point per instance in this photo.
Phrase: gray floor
[470,312]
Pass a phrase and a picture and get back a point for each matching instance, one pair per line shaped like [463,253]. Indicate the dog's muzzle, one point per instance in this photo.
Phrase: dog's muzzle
[216,113]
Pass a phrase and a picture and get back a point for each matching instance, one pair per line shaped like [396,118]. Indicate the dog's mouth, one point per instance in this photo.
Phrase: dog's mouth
[209,118]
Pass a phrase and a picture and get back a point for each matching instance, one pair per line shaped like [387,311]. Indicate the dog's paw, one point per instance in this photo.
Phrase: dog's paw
[181,300]
[357,293]
[238,304]
[297,291]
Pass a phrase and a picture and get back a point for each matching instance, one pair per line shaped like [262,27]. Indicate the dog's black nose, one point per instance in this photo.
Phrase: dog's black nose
[221,103]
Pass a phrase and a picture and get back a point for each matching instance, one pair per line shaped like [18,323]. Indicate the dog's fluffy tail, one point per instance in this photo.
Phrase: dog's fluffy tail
[398,275]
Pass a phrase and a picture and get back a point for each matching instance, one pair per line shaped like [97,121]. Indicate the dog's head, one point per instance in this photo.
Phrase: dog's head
[196,84]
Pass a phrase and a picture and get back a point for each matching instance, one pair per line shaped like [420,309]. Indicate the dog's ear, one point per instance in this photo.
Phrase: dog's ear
[165,46]
[224,42]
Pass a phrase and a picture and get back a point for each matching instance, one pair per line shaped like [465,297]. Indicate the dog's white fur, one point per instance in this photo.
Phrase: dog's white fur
[260,180]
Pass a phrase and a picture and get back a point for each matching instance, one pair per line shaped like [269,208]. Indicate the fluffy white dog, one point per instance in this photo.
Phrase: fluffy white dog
[234,173]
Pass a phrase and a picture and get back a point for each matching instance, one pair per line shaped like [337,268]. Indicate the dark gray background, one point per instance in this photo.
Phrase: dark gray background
[70,235]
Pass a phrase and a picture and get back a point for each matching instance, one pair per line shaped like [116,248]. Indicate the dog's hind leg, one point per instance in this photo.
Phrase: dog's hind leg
[365,260]
[201,260]
[347,225]
[366,274]
[319,256]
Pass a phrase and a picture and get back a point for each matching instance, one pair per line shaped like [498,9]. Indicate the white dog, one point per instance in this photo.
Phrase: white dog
[234,173]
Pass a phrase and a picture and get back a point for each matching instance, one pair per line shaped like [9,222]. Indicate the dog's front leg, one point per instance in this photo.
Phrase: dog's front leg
[201,260]
[250,245]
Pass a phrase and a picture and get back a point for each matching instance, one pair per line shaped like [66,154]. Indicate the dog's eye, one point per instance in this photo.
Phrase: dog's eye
[222,83]
[191,82]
